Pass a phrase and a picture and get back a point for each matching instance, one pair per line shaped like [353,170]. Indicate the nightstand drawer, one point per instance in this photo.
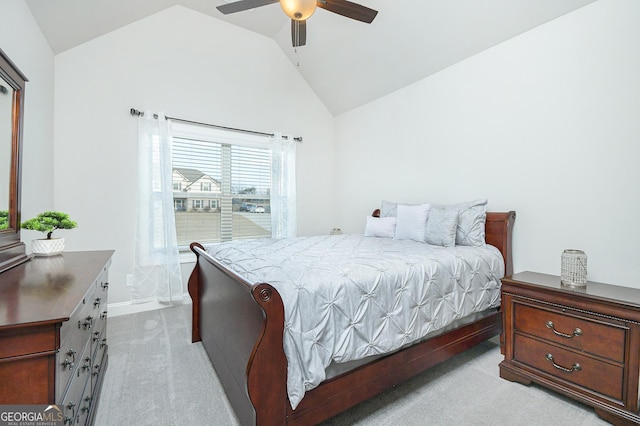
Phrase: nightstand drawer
[605,339]
[598,376]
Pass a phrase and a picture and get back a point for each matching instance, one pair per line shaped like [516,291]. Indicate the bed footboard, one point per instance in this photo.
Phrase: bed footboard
[234,319]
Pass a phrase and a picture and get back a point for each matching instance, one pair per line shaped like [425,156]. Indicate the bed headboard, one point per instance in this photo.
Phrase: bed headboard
[498,229]
[498,232]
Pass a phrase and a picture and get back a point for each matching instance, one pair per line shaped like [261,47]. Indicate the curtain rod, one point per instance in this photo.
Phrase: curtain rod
[137,113]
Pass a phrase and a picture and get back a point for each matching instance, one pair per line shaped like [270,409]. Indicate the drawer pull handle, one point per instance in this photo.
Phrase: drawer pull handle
[88,323]
[576,332]
[88,406]
[575,367]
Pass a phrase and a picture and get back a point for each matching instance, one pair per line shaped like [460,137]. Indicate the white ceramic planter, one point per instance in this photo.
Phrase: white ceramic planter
[46,247]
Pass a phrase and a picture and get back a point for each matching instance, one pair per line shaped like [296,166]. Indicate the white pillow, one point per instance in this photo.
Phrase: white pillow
[411,222]
[384,227]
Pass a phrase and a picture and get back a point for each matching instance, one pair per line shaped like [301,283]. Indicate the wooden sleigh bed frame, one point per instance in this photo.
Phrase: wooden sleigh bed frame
[241,327]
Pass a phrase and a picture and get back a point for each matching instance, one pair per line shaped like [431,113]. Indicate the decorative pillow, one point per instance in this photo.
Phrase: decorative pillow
[388,209]
[384,227]
[441,226]
[472,217]
[411,222]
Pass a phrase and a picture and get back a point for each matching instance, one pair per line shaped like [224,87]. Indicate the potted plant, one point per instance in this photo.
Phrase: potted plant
[48,222]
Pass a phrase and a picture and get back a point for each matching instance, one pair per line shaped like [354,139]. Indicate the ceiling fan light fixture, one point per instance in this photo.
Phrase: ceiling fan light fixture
[298,10]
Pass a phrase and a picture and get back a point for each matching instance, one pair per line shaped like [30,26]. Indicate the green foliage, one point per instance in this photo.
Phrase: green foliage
[48,222]
[4,219]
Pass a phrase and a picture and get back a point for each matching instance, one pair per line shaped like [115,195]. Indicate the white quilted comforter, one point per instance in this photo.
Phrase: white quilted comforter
[347,297]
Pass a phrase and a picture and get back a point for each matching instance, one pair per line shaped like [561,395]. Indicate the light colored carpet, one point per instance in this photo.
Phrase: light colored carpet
[156,376]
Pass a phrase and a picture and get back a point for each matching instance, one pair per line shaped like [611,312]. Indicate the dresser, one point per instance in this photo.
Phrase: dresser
[582,342]
[53,332]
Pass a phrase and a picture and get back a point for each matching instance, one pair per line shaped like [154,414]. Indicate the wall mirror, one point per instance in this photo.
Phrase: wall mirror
[12,83]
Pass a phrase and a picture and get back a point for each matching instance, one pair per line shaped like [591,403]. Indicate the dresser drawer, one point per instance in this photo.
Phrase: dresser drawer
[25,370]
[98,332]
[99,364]
[74,336]
[72,401]
[27,340]
[605,339]
[86,402]
[598,376]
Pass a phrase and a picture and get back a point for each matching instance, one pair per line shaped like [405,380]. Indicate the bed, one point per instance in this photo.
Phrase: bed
[241,325]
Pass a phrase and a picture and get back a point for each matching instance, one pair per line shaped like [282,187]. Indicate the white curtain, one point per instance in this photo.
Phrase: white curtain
[156,273]
[283,186]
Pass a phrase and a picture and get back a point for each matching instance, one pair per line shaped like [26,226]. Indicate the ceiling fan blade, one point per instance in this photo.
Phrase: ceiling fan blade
[298,33]
[350,10]
[238,6]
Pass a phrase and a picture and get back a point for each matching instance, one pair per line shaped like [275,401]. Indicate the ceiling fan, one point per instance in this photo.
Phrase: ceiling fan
[300,10]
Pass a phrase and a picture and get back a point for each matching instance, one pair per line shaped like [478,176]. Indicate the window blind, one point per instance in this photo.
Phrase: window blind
[221,191]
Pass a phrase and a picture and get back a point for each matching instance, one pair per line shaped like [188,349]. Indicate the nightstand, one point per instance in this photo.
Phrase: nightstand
[581,342]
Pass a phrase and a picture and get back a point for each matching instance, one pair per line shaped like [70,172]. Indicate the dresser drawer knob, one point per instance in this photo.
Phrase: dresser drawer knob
[576,332]
[575,367]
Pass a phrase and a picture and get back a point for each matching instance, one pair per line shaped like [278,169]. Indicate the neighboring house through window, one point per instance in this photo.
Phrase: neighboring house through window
[216,177]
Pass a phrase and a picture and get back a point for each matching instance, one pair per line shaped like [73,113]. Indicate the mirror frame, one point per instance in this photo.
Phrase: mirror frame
[12,249]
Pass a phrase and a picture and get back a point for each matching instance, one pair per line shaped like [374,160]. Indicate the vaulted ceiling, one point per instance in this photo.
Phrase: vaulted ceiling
[347,63]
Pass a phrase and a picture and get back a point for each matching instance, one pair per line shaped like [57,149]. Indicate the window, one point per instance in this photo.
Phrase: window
[224,183]
[179,204]
[177,186]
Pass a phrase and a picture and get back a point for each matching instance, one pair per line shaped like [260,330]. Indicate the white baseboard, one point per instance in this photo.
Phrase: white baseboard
[125,308]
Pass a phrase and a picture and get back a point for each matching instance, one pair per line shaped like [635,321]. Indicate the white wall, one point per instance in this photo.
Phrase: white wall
[187,65]
[22,41]
[547,124]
